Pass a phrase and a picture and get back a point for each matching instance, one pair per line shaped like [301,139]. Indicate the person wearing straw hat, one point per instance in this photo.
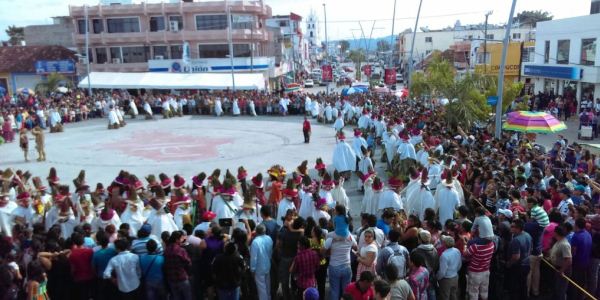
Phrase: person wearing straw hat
[250,208]
[133,214]
[446,200]
[38,134]
[24,142]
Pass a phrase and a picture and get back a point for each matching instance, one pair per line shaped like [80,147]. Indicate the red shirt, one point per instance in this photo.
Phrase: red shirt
[306,125]
[357,294]
[81,264]
[307,262]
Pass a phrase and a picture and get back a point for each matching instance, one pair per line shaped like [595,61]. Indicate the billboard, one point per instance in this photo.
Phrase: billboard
[390,76]
[327,73]
[54,66]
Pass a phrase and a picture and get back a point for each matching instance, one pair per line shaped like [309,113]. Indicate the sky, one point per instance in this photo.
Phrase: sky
[343,16]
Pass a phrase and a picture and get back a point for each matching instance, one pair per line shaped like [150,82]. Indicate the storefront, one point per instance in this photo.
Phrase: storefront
[571,81]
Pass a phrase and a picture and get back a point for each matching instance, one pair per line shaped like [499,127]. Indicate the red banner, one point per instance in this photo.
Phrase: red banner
[327,73]
[367,70]
[390,76]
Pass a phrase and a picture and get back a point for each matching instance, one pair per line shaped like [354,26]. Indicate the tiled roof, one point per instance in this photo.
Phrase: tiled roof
[21,59]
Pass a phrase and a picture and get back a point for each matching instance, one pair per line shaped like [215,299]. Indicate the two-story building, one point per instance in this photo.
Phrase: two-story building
[565,58]
[142,37]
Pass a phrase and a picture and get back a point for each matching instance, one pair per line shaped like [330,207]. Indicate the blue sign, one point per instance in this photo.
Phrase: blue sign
[55,66]
[569,73]
[492,100]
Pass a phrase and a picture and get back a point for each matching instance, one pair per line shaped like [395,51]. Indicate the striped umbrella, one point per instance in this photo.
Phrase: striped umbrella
[537,122]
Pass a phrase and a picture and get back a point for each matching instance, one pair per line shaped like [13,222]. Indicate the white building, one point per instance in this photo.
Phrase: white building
[312,35]
[566,60]
[295,45]
[427,41]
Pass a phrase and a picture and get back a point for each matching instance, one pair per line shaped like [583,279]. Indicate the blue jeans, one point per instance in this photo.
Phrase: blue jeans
[233,294]
[181,290]
[154,291]
[339,278]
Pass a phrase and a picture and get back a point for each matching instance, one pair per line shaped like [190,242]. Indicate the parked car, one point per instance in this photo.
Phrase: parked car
[399,78]
[309,83]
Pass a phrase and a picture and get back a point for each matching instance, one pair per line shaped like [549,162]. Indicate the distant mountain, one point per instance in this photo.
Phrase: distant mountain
[370,43]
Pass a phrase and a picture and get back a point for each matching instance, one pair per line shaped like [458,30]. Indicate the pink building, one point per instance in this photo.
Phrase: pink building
[124,37]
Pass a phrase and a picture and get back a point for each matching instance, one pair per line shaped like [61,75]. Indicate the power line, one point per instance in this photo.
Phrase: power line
[405,18]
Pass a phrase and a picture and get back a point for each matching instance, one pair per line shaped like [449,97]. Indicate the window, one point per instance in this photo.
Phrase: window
[427,52]
[160,51]
[428,39]
[516,36]
[283,23]
[115,54]
[97,25]
[562,51]
[595,8]
[547,52]
[528,54]
[222,50]
[101,56]
[481,60]
[157,24]
[176,52]
[470,37]
[588,52]
[242,21]
[136,54]
[311,34]
[211,22]
[123,25]
[81,26]
[489,37]
[177,19]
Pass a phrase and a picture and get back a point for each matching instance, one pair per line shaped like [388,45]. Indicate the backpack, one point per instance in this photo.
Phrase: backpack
[400,260]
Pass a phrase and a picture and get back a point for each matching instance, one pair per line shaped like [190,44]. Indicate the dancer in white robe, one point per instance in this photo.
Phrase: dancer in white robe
[446,200]
[412,187]
[390,198]
[133,109]
[236,108]
[406,149]
[148,110]
[133,214]
[339,122]
[285,204]
[252,108]
[307,206]
[6,217]
[159,218]
[307,105]
[315,109]
[435,173]
[339,193]
[365,120]
[107,216]
[113,119]
[218,107]
[328,114]
[367,200]
[344,158]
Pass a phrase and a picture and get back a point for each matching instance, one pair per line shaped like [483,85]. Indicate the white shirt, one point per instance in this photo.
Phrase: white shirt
[127,267]
[446,200]
[340,250]
[563,206]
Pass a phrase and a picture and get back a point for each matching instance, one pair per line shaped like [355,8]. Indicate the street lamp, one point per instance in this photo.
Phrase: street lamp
[498,132]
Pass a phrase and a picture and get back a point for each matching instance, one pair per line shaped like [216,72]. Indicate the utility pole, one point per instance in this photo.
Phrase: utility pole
[229,40]
[326,46]
[87,49]
[252,45]
[485,42]
[412,49]
[501,71]
[391,62]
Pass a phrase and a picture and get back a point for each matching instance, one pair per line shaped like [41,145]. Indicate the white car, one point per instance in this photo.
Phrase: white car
[399,78]
[309,83]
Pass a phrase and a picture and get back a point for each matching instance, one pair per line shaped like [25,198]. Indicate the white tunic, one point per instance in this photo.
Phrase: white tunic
[99,223]
[423,158]
[338,124]
[344,158]
[339,194]
[446,201]
[328,113]
[113,118]
[179,213]
[307,104]
[357,143]
[252,108]
[135,218]
[7,218]
[367,200]
[306,204]
[283,207]
[223,209]
[364,121]
[161,221]
[407,150]
[147,108]
[389,199]
[236,108]
[411,188]
[314,110]
[133,107]
[434,174]
[218,108]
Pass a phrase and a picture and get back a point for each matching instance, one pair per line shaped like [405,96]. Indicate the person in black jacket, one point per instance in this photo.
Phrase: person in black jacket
[228,270]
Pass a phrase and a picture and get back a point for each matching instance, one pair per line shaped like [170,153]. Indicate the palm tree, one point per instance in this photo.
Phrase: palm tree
[52,82]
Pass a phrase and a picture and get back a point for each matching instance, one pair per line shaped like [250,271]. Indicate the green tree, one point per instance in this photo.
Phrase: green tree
[531,17]
[16,34]
[419,86]
[383,46]
[51,83]
[344,46]
[357,56]
[511,91]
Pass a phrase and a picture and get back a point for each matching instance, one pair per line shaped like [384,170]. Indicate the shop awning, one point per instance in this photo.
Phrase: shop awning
[177,81]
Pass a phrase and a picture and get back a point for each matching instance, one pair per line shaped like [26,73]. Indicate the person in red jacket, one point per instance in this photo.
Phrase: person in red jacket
[306,130]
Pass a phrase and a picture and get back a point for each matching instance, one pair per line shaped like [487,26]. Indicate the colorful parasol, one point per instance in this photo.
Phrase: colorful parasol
[528,121]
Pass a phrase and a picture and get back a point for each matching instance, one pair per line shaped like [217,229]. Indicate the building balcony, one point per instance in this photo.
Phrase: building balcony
[251,7]
[132,38]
